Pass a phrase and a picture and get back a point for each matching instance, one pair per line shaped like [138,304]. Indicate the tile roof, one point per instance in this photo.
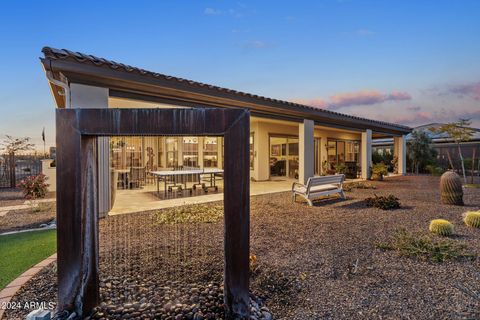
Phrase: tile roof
[64,54]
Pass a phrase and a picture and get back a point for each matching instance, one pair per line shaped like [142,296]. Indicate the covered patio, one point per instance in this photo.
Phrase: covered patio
[288,141]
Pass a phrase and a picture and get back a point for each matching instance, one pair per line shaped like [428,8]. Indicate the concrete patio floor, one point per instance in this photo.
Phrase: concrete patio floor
[144,199]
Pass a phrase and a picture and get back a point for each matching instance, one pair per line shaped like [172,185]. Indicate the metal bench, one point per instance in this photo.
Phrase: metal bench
[319,186]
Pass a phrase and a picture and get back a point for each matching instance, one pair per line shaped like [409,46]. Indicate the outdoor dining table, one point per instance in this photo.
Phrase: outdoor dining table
[177,178]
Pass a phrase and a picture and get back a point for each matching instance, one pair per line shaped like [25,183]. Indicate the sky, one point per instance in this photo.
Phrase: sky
[408,62]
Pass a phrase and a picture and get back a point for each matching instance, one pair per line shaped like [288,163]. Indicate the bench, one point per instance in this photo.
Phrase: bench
[319,186]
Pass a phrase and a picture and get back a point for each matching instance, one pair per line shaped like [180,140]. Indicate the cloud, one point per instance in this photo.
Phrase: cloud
[470,89]
[317,103]
[413,108]
[360,98]
[256,44]
[364,32]
[212,12]
[366,97]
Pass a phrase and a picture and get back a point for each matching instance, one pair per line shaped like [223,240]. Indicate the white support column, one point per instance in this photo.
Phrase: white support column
[261,150]
[400,151]
[200,151]
[306,168]
[220,152]
[90,97]
[366,153]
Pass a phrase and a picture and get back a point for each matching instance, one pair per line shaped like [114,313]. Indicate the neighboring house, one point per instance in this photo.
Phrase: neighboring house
[287,139]
[441,142]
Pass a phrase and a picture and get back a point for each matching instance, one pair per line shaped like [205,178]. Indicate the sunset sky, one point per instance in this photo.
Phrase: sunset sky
[409,62]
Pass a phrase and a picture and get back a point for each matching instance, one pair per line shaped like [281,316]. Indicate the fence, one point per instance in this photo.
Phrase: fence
[14,168]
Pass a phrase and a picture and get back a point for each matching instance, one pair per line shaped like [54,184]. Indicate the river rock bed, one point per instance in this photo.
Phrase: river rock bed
[137,298]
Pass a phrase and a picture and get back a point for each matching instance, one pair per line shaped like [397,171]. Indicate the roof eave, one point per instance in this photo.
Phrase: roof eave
[104,76]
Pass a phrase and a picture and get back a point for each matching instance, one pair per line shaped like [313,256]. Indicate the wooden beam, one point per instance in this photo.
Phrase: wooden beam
[237,218]
[77,196]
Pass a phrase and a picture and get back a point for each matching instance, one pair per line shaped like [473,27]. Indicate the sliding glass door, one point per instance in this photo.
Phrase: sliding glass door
[284,157]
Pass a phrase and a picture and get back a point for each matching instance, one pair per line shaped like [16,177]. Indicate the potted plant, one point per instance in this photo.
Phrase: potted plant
[379,170]
[340,168]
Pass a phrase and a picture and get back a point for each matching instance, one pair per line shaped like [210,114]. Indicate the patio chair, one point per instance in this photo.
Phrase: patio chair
[137,177]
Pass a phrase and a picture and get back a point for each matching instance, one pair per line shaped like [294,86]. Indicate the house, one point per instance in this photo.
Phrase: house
[444,145]
[288,140]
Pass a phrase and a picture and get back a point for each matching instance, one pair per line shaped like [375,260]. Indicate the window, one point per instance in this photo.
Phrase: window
[352,150]
[251,151]
[171,146]
[126,152]
[317,158]
[150,145]
[160,148]
[210,152]
[190,151]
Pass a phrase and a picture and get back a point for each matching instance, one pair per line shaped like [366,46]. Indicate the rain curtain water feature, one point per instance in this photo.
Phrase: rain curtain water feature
[77,198]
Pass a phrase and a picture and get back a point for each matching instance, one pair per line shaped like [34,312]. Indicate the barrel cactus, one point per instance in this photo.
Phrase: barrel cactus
[472,218]
[451,188]
[441,227]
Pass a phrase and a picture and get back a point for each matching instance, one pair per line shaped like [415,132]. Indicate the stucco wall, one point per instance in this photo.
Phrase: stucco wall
[263,130]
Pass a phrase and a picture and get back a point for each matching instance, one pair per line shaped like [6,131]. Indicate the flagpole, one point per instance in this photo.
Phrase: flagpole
[43,138]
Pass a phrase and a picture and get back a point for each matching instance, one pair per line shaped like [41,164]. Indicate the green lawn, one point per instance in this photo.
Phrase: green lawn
[19,252]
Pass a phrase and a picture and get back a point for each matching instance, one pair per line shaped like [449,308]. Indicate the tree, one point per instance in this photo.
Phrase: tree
[419,151]
[459,131]
[12,145]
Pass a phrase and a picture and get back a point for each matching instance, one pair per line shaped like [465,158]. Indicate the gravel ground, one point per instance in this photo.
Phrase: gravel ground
[306,256]
[28,218]
[13,197]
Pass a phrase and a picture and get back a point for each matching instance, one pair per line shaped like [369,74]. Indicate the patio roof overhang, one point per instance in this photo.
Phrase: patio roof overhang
[124,81]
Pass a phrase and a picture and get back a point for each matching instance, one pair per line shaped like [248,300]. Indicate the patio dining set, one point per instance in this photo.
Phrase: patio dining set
[176,179]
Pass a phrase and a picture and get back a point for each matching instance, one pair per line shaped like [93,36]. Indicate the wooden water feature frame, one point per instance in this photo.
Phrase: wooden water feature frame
[77,194]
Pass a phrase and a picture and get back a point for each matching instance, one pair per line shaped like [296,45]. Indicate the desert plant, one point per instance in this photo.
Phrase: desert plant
[358,185]
[434,170]
[425,247]
[34,187]
[451,188]
[383,202]
[385,156]
[472,218]
[340,168]
[379,170]
[441,227]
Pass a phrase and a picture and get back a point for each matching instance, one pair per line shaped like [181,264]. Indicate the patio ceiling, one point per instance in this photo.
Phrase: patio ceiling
[129,82]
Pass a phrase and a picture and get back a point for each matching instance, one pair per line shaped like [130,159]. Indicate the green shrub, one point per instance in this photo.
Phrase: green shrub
[472,218]
[34,187]
[358,185]
[340,168]
[441,227]
[434,170]
[383,202]
[425,247]
[379,170]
